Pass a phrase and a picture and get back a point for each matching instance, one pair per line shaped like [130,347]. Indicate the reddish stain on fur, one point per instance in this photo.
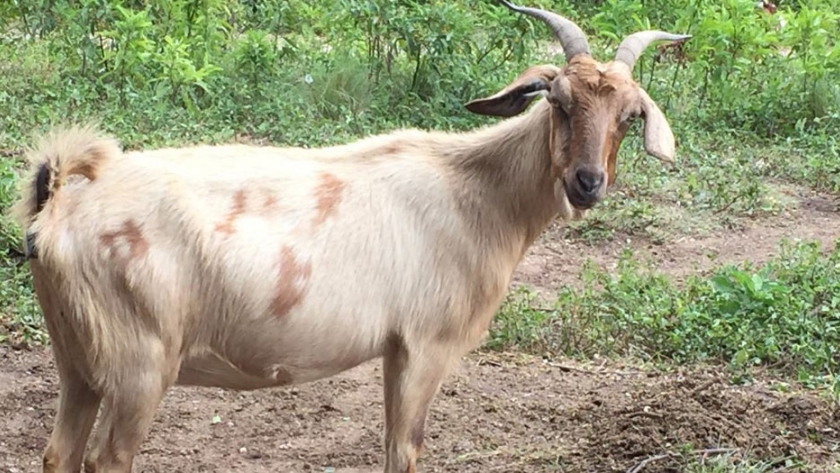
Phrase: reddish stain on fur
[236,209]
[130,232]
[291,283]
[393,147]
[328,192]
[270,204]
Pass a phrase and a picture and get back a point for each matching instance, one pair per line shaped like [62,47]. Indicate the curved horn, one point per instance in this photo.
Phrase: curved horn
[632,47]
[570,35]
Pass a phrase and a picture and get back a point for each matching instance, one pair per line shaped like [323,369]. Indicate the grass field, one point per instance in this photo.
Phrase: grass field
[690,323]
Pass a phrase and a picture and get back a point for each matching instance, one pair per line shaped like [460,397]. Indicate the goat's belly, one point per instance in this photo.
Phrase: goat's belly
[213,370]
[264,353]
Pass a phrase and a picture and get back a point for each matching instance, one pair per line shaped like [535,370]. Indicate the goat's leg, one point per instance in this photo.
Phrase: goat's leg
[77,402]
[412,379]
[128,411]
[77,406]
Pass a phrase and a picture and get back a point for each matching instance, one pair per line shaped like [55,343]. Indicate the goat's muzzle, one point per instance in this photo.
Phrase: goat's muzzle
[584,187]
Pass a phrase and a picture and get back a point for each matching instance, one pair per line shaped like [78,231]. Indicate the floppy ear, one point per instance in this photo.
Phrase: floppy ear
[516,97]
[659,140]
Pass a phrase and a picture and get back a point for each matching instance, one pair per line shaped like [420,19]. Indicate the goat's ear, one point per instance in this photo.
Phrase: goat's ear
[659,140]
[516,97]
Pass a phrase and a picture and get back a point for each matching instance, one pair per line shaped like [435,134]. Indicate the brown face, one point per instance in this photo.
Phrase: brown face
[597,103]
[594,106]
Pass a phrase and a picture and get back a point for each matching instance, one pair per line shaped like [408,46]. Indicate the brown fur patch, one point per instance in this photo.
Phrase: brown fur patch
[270,204]
[289,294]
[616,136]
[601,93]
[328,193]
[607,86]
[89,169]
[586,72]
[237,208]
[137,244]
[393,147]
[592,76]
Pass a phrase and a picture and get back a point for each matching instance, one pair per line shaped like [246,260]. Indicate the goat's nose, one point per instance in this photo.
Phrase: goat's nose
[589,181]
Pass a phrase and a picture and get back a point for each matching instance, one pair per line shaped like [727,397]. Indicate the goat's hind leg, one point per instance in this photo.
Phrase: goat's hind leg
[77,402]
[77,407]
[129,407]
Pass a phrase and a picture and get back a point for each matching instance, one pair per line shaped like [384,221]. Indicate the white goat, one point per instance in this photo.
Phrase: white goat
[250,267]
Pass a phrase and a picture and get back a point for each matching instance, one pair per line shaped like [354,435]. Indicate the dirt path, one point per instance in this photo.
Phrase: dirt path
[493,414]
[502,413]
[554,260]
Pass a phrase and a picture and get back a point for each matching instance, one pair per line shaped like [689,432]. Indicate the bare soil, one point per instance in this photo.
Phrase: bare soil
[556,259]
[496,412]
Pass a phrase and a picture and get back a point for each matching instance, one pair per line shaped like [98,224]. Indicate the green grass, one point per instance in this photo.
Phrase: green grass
[784,314]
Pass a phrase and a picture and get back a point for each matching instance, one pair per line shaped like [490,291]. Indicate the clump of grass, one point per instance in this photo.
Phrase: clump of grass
[784,314]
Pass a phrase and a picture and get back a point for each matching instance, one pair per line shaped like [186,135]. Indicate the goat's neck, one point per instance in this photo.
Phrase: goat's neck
[506,188]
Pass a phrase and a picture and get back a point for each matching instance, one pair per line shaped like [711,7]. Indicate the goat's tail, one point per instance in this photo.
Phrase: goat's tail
[77,150]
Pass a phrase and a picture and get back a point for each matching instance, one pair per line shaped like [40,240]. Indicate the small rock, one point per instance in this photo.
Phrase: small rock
[463,446]
[243,450]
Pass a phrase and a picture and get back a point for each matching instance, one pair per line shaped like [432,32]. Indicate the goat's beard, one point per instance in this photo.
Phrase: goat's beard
[565,209]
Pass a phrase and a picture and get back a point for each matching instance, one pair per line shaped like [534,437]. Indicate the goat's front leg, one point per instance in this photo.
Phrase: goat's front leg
[413,376]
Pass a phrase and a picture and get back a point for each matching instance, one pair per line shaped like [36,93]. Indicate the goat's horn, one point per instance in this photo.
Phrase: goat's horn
[570,35]
[632,47]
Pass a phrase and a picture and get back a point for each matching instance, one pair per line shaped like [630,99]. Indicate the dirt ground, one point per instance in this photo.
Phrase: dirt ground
[555,260]
[496,412]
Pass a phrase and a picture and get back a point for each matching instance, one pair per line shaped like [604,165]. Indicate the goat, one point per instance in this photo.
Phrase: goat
[249,267]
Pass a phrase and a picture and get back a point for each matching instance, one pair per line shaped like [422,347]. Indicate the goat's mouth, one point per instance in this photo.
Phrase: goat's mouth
[579,200]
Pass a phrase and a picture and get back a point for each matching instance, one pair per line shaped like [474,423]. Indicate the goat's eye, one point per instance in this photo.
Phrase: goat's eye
[628,117]
[563,105]
[633,115]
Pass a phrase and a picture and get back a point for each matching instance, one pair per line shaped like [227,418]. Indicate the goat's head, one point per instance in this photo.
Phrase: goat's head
[593,106]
